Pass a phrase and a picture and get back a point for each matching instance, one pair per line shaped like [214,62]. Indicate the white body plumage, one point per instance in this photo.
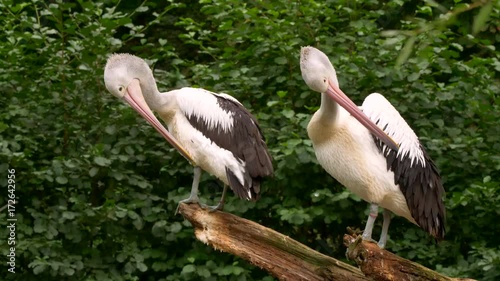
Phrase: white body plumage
[372,151]
[366,173]
[179,104]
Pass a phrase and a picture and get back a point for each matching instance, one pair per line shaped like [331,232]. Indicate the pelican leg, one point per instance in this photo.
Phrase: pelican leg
[193,197]
[385,228]
[220,205]
[367,233]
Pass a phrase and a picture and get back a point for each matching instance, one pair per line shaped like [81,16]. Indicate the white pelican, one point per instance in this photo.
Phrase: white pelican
[385,165]
[213,131]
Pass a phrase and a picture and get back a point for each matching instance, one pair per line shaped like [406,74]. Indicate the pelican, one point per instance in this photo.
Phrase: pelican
[215,132]
[373,152]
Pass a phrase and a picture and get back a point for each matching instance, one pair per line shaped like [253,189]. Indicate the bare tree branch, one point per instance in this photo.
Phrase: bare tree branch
[287,259]
[281,256]
[383,265]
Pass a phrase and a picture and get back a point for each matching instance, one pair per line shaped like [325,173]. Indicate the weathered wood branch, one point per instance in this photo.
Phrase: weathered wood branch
[287,259]
[383,265]
[281,256]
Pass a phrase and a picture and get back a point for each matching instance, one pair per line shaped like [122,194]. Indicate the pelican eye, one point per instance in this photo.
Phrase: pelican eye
[120,88]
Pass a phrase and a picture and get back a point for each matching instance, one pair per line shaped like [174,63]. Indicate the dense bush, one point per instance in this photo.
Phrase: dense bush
[97,187]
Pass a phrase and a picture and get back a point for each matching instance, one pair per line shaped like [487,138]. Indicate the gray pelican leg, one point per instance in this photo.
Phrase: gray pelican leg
[385,228]
[220,205]
[367,233]
[193,197]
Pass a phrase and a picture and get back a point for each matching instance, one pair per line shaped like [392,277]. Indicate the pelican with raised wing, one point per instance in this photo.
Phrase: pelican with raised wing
[373,152]
[215,132]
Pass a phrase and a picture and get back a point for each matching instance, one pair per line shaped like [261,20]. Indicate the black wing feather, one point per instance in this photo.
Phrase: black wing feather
[245,141]
[418,180]
[421,185]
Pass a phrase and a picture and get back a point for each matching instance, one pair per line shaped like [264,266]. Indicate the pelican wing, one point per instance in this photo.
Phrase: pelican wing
[227,123]
[414,171]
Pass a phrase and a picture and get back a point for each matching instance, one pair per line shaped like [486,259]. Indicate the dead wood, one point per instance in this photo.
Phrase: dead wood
[382,265]
[287,259]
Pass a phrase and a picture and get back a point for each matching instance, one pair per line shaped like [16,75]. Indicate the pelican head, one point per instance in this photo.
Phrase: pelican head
[129,78]
[122,69]
[320,76]
[317,70]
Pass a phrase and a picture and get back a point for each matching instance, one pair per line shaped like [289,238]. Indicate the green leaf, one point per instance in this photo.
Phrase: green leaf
[486,179]
[18,7]
[142,9]
[121,257]
[110,130]
[189,268]
[142,267]
[203,272]
[281,94]
[117,175]
[101,161]
[69,215]
[93,171]
[413,77]
[482,17]
[293,142]
[457,46]
[288,113]
[175,227]
[3,127]
[162,42]
[439,122]
[272,103]
[406,51]
[227,270]
[281,60]
[138,223]
[237,270]
[69,271]
[120,213]
[39,227]
[39,269]
[61,180]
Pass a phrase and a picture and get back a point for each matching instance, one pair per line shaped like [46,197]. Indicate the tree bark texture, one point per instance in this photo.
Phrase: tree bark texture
[287,259]
[382,265]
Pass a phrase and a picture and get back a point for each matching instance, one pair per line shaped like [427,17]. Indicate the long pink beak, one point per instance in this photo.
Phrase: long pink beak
[135,98]
[337,95]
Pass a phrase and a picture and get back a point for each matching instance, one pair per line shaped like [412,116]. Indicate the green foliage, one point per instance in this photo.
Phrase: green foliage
[97,187]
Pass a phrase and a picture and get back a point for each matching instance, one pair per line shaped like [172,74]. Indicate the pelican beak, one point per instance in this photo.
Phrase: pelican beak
[134,97]
[337,95]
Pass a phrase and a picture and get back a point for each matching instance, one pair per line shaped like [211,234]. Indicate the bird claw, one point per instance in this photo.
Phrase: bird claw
[367,238]
[381,245]
[218,207]
[189,201]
